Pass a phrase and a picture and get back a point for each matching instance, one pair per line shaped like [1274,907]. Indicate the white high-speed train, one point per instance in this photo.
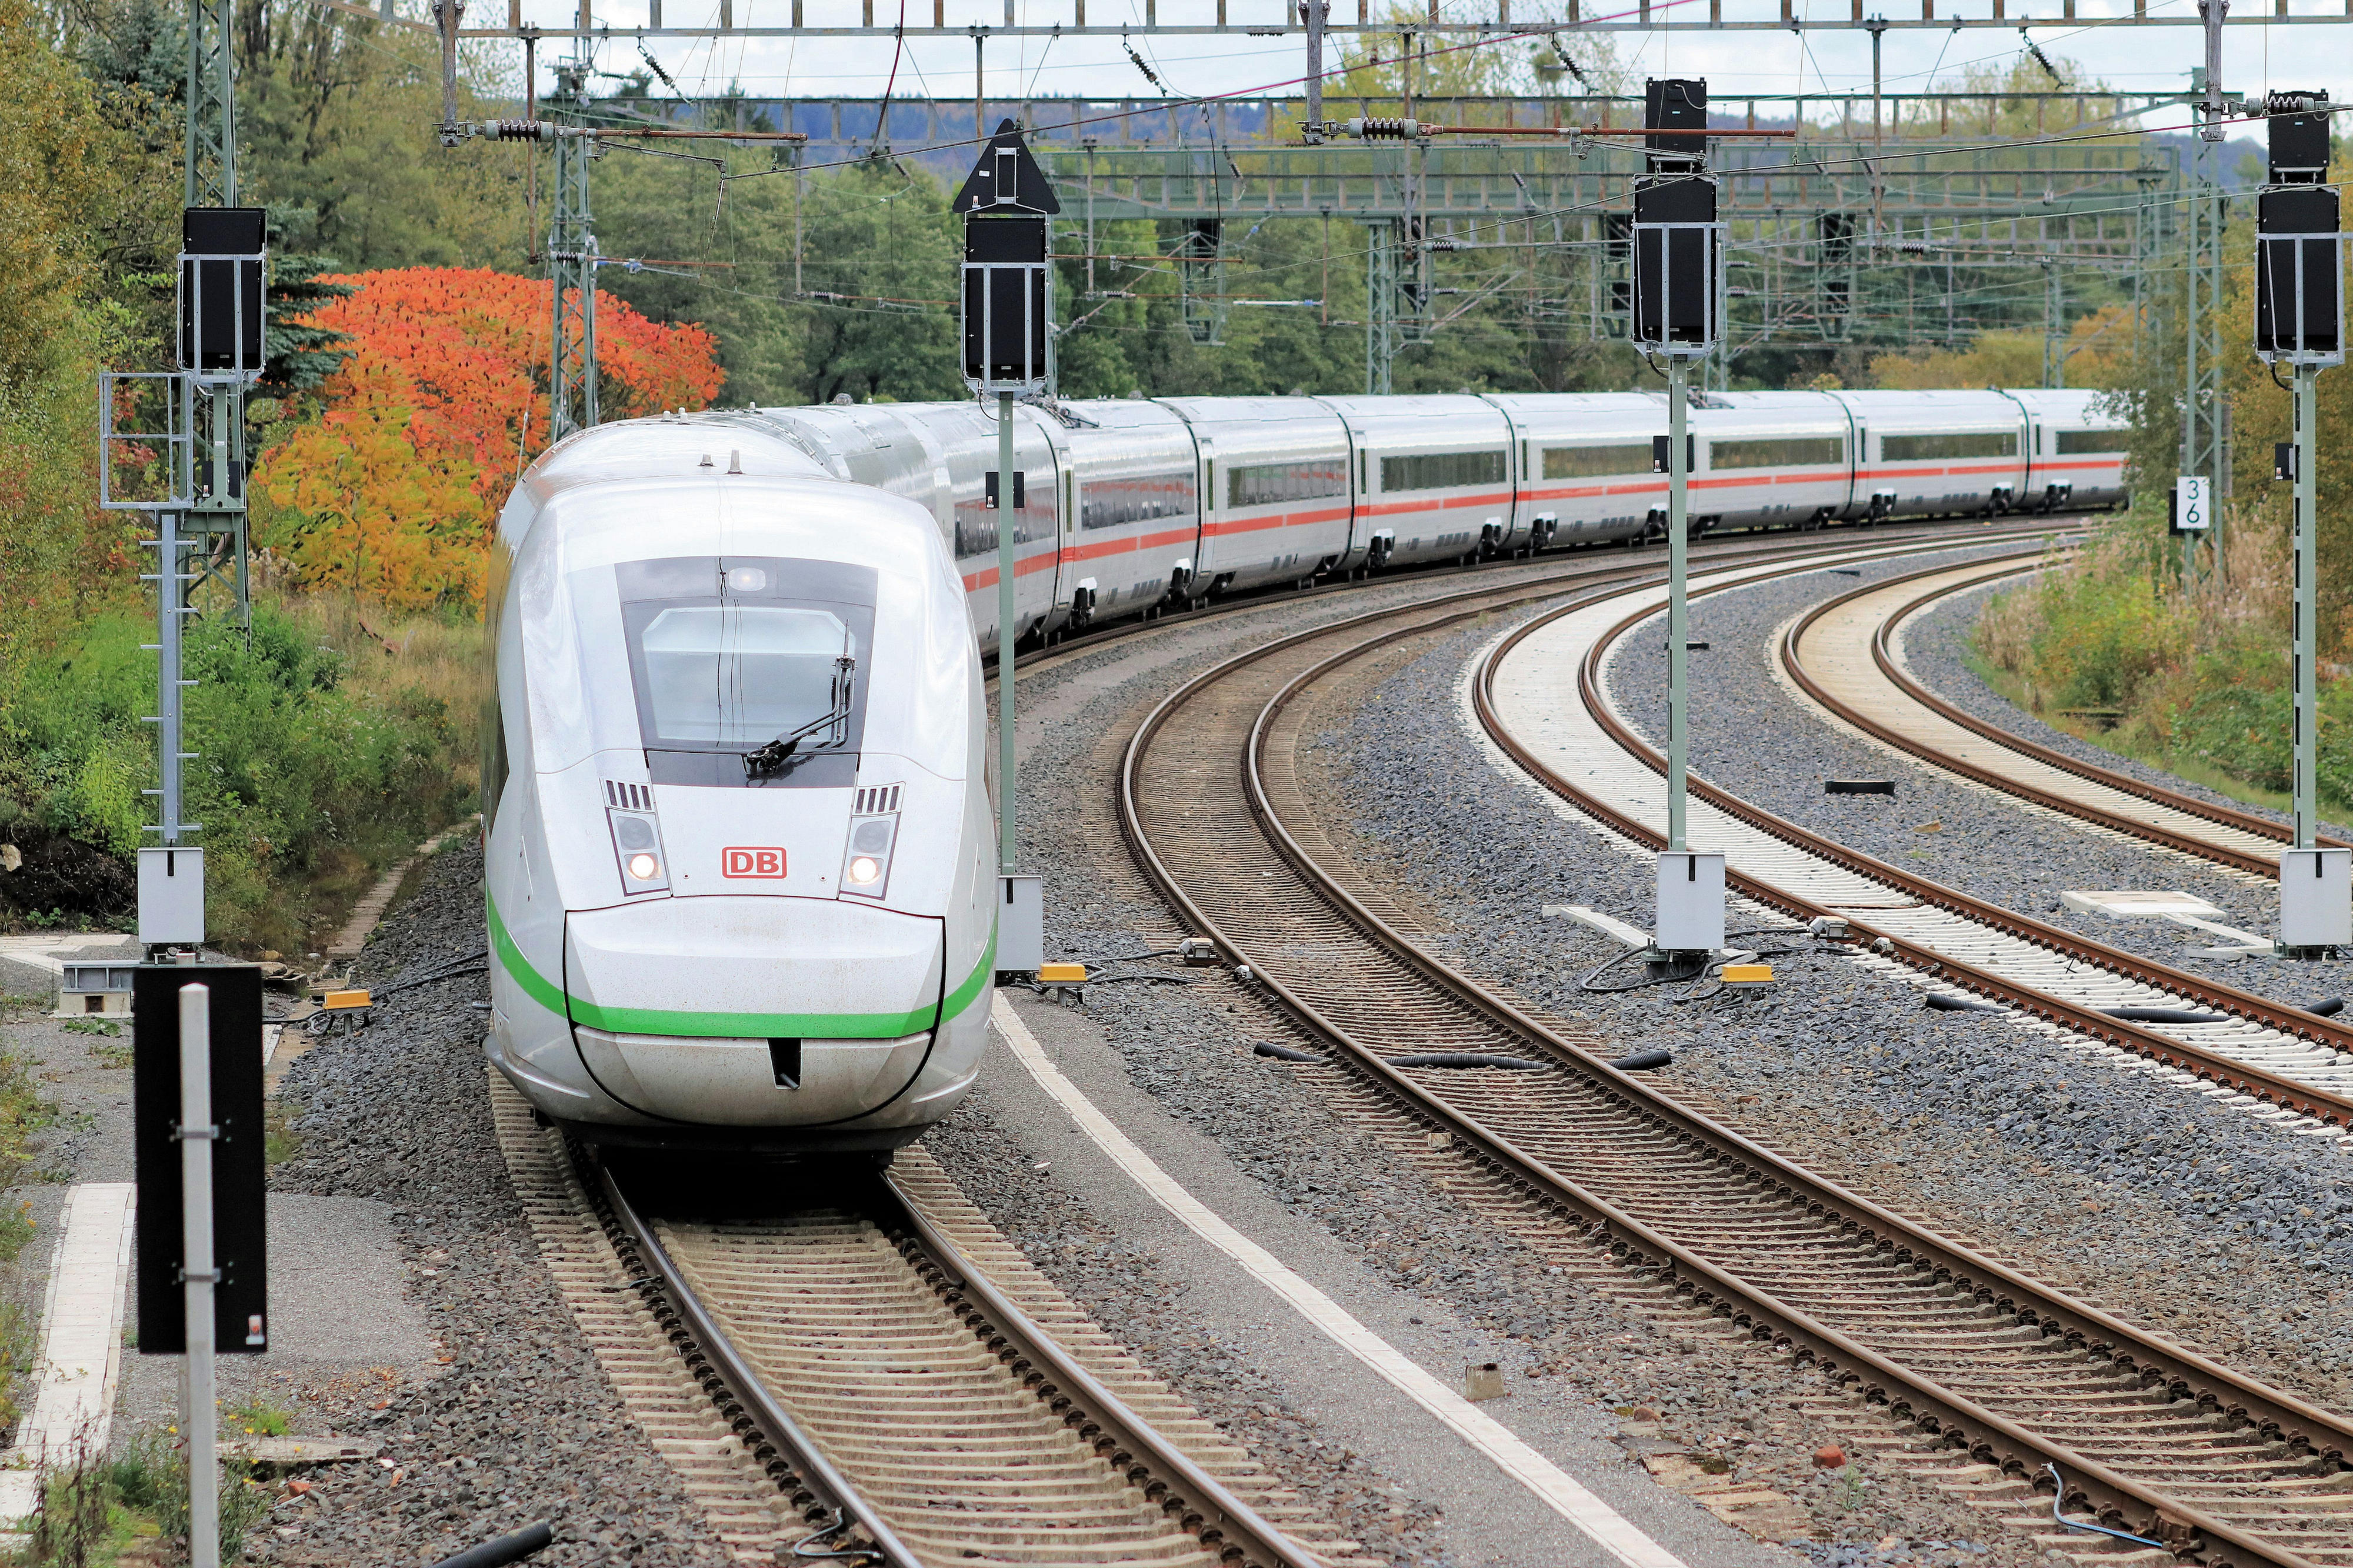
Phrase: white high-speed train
[738,873]
[739,878]
[1133,504]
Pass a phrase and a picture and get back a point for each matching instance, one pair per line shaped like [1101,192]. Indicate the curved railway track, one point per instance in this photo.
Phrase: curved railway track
[2279,1054]
[2155,1437]
[1017,1432]
[1842,654]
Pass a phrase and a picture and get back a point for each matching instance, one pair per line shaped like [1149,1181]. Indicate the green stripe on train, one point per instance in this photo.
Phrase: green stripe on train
[735,1025]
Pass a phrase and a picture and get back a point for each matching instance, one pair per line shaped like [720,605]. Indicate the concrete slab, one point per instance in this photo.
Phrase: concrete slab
[71,1409]
[2129,904]
[1491,1516]
[31,963]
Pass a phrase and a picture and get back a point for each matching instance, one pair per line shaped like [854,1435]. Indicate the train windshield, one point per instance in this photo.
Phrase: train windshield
[748,672]
[737,675]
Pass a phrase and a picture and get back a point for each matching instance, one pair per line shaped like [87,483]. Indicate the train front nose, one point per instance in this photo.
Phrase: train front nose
[749,1012]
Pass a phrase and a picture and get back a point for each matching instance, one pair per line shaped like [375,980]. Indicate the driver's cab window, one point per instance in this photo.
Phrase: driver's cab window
[748,672]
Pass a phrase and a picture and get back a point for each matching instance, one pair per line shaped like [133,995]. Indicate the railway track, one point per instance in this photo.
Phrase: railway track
[1843,654]
[877,1372]
[2155,1439]
[1565,731]
[763,1353]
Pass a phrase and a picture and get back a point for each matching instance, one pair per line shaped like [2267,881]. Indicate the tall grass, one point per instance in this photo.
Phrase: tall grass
[2197,678]
[328,745]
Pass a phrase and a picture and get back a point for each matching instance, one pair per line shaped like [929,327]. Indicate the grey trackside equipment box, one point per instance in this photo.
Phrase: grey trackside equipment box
[1690,901]
[1020,924]
[171,897]
[2316,897]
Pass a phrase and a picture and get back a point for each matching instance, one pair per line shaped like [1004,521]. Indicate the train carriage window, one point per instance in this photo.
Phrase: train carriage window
[1781,452]
[727,656]
[1595,462]
[975,525]
[1142,497]
[1950,444]
[1279,484]
[1443,471]
[2065,442]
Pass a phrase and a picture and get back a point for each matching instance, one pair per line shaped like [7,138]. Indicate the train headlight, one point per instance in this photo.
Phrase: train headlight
[866,865]
[637,845]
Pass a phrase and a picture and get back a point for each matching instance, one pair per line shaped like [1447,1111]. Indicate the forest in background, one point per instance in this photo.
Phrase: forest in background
[408,388]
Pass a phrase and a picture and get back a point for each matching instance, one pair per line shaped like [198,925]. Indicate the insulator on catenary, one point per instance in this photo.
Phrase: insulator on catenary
[518,130]
[1383,129]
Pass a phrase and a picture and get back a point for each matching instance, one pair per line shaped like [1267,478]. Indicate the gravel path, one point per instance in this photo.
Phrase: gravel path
[2187,1215]
[521,1424]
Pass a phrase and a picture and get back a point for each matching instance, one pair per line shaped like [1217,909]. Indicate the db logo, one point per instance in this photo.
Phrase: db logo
[752,861]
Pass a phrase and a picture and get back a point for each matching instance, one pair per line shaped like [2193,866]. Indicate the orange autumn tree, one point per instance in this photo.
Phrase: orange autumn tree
[392,490]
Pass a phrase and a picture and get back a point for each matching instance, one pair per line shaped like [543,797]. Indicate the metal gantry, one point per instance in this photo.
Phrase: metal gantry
[1832,232]
[571,262]
[1261,20]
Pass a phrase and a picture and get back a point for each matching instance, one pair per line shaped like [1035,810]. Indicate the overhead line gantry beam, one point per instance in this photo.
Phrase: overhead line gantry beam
[881,22]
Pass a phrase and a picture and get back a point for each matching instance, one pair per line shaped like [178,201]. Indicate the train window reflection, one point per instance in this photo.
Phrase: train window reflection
[1595,462]
[1441,471]
[1276,484]
[2069,442]
[1956,444]
[735,675]
[1779,452]
[1142,497]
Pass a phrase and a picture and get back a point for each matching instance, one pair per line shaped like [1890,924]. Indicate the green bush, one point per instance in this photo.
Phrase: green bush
[302,781]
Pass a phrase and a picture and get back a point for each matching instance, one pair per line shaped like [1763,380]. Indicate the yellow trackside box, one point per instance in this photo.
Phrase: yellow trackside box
[339,1001]
[1748,974]
[1061,975]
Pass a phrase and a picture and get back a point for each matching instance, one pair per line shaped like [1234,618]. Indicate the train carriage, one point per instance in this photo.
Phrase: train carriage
[2076,450]
[1434,477]
[1932,452]
[1584,462]
[1132,488]
[1275,491]
[1769,459]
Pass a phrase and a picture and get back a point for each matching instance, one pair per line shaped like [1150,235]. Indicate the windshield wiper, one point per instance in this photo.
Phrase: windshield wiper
[769,758]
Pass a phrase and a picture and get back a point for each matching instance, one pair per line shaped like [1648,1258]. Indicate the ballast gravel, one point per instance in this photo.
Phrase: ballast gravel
[1753,735]
[520,1426]
[2190,1216]
[1187,1040]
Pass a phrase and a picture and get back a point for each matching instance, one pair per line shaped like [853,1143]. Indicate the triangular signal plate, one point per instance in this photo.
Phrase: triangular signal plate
[1032,195]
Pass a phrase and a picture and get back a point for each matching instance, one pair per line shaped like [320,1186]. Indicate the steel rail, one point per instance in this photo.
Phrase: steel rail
[2183,1372]
[757,1407]
[1758,1311]
[2293,1022]
[1124,1441]
[1883,653]
[1127,1442]
[1721,551]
